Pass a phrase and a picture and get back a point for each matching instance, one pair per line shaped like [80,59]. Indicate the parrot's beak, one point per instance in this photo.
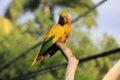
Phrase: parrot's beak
[63,20]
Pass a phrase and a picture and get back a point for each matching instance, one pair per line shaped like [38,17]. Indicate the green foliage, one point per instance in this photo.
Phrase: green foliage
[16,8]
[22,36]
[11,46]
[42,18]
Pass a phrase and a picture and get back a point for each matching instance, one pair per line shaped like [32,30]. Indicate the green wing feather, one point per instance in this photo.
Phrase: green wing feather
[51,37]
[46,45]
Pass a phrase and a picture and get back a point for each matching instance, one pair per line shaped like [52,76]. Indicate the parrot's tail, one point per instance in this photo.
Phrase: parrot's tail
[36,60]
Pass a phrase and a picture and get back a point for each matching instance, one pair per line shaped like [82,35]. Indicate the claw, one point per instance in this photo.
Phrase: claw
[59,41]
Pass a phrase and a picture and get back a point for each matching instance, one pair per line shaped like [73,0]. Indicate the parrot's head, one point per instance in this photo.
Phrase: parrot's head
[64,19]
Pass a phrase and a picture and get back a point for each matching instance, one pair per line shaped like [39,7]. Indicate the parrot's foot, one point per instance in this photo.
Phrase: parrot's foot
[59,41]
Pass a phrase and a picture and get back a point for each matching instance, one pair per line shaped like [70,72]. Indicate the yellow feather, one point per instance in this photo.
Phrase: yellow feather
[57,31]
[36,60]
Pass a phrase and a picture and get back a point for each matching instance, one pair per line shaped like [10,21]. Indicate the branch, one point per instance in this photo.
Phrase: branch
[72,61]
[56,67]
[38,72]
[19,56]
[87,12]
[106,53]
[114,72]
[7,64]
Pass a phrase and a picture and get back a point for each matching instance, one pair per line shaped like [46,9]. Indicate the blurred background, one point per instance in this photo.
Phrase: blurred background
[24,22]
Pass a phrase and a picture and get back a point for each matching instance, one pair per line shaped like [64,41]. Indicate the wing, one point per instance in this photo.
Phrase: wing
[54,34]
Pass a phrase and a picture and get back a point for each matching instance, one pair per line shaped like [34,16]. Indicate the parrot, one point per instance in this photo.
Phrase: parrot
[58,32]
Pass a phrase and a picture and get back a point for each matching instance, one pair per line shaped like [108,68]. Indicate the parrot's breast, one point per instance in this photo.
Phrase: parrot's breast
[66,33]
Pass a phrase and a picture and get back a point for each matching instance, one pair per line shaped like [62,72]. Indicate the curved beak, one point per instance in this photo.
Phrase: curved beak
[63,20]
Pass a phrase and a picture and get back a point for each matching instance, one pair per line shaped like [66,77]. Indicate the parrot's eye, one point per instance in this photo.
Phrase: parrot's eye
[63,20]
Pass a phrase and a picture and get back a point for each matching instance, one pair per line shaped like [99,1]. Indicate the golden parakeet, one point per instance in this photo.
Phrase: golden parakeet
[60,32]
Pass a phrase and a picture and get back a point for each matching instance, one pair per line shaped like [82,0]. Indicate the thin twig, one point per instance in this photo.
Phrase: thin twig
[38,72]
[87,12]
[19,56]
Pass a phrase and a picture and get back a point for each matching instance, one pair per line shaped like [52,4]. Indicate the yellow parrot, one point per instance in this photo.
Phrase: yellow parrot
[60,32]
